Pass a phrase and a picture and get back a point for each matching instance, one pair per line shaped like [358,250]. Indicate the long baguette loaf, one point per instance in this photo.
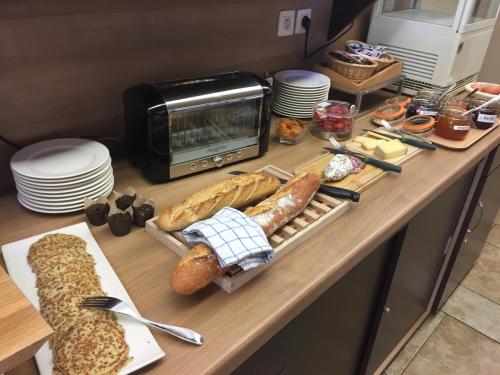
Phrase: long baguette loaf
[200,266]
[236,192]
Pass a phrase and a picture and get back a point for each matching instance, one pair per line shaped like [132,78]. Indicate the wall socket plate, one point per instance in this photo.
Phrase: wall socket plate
[286,22]
[301,13]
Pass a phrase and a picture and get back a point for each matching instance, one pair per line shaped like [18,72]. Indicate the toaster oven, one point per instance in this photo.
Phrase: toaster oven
[182,127]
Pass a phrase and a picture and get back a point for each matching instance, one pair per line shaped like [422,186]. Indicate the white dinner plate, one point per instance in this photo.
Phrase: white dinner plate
[281,87]
[298,102]
[296,98]
[55,209]
[64,191]
[52,211]
[143,347]
[300,93]
[482,95]
[70,180]
[295,108]
[59,158]
[302,78]
[284,86]
[292,114]
[75,197]
[64,185]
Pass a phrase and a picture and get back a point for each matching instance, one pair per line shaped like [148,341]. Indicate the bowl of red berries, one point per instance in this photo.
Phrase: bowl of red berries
[333,118]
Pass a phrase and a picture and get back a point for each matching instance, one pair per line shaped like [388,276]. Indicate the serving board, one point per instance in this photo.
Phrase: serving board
[472,137]
[321,211]
[143,347]
[362,180]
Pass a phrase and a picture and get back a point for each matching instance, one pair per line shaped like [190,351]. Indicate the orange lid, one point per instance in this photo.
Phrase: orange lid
[419,123]
[389,112]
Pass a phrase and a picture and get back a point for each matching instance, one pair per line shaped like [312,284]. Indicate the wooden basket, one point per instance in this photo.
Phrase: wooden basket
[342,83]
[321,211]
[383,61]
[353,72]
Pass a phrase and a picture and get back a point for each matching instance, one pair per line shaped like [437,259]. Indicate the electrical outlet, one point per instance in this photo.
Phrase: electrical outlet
[301,13]
[286,22]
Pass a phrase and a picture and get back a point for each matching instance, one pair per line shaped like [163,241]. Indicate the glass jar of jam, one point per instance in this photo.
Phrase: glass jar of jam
[453,124]
[486,116]
[401,100]
[425,103]
[456,103]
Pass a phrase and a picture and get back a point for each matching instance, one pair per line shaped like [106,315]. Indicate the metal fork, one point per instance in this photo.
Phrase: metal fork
[117,305]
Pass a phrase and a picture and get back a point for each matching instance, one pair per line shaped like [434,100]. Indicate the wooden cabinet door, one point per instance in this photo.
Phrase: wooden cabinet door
[328,337]
[475,230]
[421,255]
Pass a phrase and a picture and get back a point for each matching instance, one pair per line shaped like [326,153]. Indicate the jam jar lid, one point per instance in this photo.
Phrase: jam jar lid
[401,100]
[419,124]
[389,112]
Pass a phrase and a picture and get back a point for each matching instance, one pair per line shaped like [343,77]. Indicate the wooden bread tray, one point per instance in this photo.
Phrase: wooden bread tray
[321,211]
[362,180]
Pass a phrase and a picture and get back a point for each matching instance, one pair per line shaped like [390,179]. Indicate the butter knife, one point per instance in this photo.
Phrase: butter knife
[339,149]
[332,191]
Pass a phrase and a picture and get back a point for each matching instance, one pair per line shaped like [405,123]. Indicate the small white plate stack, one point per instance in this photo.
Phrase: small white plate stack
[296,92]
[55,176]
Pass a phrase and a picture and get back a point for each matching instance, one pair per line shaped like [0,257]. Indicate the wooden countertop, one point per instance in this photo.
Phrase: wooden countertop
[235,326]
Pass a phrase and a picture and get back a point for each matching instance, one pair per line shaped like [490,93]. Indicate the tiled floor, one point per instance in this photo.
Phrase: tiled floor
[464,337]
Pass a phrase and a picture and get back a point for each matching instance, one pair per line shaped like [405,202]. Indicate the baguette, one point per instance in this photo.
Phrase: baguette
[236,192]
[200,266]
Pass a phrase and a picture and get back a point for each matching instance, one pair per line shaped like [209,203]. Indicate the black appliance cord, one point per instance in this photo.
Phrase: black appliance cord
[306,24]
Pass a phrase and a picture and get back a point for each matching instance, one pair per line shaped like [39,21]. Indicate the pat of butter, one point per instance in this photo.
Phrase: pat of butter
[390,150]
[368,143]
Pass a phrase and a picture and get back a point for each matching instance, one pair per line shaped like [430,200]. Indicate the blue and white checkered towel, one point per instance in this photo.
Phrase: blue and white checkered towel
[234,237]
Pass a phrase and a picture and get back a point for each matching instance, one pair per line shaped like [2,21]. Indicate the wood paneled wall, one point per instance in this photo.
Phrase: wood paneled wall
[64,64]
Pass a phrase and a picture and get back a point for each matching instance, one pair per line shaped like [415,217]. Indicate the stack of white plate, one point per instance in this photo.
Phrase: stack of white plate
[296,92]
[55,176]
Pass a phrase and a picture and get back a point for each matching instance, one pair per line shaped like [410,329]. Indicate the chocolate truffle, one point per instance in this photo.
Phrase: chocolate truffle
[125,200]
[142,214]
[119,221]
[96,210]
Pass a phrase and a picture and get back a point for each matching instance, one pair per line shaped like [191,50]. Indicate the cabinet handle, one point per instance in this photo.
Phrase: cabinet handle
[387,309]
[481,212]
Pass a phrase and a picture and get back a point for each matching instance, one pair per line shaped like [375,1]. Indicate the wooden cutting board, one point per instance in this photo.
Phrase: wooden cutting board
[321,211]
[364,179]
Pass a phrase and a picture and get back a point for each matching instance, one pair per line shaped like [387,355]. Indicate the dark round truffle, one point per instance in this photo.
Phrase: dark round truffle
[142,214]
[96,213]
[120,223]
[124,202]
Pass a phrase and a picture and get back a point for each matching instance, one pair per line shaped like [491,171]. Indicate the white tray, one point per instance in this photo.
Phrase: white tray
[143,347]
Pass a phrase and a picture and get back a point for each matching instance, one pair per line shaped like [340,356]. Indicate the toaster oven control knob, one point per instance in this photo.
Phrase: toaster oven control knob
[217,161]
[204,163]
[239,154]
[229,157]
[192,166]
